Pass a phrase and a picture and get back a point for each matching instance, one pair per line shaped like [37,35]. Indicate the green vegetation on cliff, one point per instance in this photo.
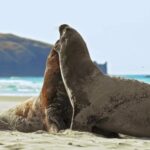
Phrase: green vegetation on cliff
[22,57]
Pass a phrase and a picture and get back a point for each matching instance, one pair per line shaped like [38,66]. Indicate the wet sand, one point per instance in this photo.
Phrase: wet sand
[66,140]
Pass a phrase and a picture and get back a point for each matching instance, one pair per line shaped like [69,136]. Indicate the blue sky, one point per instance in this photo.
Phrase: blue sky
[117,31]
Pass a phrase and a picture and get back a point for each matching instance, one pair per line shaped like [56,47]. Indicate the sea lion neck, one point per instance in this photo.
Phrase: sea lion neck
[76,68]
[74,54]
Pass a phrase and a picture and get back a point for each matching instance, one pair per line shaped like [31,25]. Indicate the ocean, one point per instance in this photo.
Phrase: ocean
[20,86]
[31,86]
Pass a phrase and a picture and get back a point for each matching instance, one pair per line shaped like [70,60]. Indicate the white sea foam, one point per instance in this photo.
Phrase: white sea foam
[22,86]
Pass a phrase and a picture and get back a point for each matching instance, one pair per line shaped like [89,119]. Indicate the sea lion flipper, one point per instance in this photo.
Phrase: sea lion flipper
[23,125]
[95,122]
[53,128]
[4,125]
[54,119]
[105,133]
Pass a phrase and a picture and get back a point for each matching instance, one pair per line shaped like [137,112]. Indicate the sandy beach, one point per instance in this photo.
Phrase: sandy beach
[74,140]
[67,140]
[7,102]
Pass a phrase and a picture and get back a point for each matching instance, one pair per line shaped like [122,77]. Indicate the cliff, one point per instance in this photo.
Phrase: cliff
[24,57]
[102,67]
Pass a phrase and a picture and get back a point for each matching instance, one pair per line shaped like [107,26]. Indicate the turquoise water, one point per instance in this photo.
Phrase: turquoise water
[142,78]
[31,86]
[21,86]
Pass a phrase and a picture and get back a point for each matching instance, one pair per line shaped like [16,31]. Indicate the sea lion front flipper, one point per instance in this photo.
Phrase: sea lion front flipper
[105,133]
[95,122]
[23,125]
[4,125]
[53,128]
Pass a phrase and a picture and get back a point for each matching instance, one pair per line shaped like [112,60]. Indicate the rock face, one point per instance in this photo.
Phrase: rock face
[24,57]
[102,67]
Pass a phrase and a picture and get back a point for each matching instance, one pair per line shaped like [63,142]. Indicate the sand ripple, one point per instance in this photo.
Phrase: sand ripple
[73,140]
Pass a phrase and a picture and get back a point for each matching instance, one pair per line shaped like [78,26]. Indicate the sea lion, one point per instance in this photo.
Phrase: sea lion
[101,103]
[50,111]
[53,95]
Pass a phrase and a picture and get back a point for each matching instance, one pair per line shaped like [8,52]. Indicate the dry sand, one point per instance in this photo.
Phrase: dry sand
[67,140]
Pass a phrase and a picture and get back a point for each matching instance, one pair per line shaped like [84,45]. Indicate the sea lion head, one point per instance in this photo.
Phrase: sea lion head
[71,42]
[66,30]
[62,28]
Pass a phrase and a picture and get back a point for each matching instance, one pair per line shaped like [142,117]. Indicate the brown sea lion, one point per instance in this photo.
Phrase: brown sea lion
[101,103]
[51,111]
[53,95]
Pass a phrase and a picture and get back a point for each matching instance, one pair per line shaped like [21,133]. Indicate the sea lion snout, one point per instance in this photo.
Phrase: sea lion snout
[62,28]
[57,46]
[66,32]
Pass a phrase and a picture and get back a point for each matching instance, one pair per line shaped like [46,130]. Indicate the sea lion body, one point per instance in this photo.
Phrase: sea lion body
[25,117]
[100,102]
[122,106]
[50,111]
[53,96]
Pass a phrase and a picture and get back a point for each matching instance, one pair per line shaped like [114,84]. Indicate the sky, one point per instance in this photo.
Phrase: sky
[116,31]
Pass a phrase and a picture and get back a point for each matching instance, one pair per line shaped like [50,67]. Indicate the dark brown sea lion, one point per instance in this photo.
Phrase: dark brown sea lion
[53,95]
[51,111]
[101,103]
